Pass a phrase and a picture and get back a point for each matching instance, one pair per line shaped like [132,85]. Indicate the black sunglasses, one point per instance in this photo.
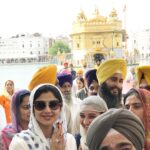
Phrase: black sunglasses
[53,105]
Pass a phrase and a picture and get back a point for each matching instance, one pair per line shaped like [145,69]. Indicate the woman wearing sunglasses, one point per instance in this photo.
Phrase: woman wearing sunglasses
[20,113]
[46,128]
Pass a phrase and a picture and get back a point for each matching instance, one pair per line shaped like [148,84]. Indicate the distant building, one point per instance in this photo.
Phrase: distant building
[98,34]
[23,47]
[141,44]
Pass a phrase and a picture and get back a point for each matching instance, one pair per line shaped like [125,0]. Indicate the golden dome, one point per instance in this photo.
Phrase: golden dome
[81,16]
[97,17]
[113,13]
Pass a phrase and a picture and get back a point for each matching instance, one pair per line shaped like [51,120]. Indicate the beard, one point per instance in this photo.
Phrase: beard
[112,100]
[67,97]
[83,133]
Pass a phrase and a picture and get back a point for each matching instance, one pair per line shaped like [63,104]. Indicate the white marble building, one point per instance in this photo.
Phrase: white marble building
[24,47]
[141,42]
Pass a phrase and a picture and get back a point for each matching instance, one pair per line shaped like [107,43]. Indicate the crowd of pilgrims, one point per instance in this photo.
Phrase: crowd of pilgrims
[101,108]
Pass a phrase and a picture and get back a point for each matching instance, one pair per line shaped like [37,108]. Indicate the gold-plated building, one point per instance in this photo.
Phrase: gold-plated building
[98,34]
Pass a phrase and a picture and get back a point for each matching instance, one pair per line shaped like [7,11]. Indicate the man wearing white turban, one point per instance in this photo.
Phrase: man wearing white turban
[90,108]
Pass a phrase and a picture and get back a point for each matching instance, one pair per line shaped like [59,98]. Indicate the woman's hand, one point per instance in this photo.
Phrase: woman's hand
[58,141]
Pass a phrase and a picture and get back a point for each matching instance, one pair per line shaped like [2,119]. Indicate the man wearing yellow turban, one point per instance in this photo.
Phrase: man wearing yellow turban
[110,75]
[143,76]
[46,74]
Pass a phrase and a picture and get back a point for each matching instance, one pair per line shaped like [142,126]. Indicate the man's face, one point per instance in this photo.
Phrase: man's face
[111,91]
[116,141]
[114,84]
[66,88]
[98,62]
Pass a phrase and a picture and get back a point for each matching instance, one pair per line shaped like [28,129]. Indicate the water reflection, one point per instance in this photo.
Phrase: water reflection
[20,74]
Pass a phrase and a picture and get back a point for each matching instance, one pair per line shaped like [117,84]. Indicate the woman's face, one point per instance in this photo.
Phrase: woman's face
[9,87]
[80,84]
[86,117]
[25,109]
[134,104]
[46,116]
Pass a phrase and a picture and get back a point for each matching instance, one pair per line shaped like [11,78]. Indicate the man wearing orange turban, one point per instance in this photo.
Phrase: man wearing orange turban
[143,76]
[46,74]
[110,75]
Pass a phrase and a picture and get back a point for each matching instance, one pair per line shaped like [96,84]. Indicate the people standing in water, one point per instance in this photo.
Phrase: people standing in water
[5,98]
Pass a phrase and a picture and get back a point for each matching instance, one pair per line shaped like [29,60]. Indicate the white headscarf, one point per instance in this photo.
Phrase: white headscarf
[91,103]
[34,130]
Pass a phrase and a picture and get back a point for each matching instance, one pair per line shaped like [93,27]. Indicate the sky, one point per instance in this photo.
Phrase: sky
[55,17]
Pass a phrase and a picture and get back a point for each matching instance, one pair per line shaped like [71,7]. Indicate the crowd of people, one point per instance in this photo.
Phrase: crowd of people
[78,109]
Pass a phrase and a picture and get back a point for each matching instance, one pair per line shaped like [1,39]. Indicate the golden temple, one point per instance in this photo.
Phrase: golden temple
[98,34]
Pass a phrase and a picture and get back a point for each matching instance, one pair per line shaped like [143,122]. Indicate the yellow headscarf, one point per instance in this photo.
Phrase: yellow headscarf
[80,71]
[46,74]
[109,67]
[143,70]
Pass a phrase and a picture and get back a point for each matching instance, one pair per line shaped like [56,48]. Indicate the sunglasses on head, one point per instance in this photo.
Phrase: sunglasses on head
[41,105]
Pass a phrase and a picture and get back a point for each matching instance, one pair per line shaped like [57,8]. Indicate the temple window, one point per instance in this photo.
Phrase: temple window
[98,42]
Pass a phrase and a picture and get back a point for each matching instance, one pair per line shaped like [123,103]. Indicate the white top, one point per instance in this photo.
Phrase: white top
[20,144]
[33,138]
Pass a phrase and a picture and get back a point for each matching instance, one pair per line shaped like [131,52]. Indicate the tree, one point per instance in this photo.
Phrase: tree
[59,47]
